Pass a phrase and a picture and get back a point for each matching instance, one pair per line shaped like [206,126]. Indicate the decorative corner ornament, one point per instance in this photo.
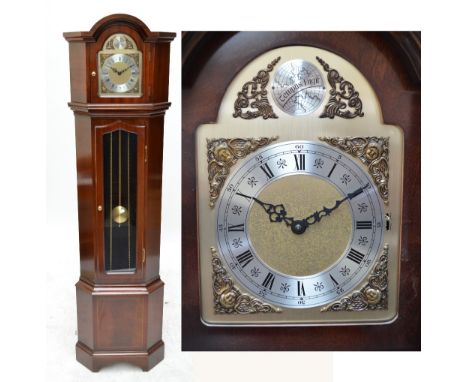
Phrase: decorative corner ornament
[227,297]
[373,152]
[223,153]
[344,102]
[254,96]
[372,296]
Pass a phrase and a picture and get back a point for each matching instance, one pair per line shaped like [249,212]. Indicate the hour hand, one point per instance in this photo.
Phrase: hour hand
[276,212]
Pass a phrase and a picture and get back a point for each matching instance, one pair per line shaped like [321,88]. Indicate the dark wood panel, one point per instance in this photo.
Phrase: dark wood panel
[153,196]
[120,322]
[211,61]
[86,194]
[119,319]
[78,72]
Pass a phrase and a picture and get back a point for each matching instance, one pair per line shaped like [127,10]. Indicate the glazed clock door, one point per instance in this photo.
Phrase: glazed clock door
[120,162]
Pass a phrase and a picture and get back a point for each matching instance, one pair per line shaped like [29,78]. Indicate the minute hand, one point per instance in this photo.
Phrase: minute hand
[318,215]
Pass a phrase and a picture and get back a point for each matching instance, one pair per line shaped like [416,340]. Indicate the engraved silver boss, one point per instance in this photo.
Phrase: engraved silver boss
[298,87]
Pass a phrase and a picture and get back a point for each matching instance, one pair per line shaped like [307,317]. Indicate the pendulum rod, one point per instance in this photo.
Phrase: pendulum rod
[128,197]
[120,171]
[110,206]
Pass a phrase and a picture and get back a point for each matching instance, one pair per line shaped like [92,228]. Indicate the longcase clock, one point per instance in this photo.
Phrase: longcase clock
[119,74]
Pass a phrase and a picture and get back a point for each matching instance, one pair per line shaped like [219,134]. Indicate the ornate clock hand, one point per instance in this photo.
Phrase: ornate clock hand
[276,212]
[299,226]
[123,71]
[317,215]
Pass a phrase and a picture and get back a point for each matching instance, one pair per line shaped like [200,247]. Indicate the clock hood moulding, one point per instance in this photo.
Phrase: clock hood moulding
[87,75]
[119,19]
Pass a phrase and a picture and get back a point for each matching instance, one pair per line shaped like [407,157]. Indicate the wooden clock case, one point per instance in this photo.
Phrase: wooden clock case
[391,63]
[119,315]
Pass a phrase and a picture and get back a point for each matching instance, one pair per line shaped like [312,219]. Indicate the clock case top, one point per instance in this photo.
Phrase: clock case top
[353,47]
[84,48]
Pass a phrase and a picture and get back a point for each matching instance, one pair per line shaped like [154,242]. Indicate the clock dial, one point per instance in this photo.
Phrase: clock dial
[120,67]
[120,73]
[299,224]
[295,184]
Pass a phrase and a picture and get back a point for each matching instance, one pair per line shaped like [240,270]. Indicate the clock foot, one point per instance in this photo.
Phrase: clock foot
[96,360]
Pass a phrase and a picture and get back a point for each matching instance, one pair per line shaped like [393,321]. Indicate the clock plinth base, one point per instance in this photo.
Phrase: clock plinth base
[119,324]
[94,361]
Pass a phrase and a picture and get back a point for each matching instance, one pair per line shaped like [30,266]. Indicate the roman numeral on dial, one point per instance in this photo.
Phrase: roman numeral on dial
[267,170]
[333,279]
[364,224]
[300,161]
[269,280]
[300,288]
[236,228]
[355,256]
[331,171]
[244,258]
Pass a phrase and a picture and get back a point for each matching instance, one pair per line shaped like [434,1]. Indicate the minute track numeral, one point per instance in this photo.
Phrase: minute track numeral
[364,224]
[244,258]
[236,228]
[300,161]
[267,170]
[355,256]
[269,280]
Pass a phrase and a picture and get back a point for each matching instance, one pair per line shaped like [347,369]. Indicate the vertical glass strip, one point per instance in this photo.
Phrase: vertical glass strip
[120,178]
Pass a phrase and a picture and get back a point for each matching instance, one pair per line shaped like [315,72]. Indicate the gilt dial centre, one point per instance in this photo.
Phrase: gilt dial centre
[299,250]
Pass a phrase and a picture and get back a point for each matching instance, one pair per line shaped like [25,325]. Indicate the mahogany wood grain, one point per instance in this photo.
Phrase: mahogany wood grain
[390,62]
[119,315]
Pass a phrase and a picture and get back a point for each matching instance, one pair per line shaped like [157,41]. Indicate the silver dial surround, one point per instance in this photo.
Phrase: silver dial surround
[260,278]
[298,87]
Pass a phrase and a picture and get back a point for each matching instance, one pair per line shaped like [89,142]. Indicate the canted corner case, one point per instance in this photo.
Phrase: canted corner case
[119,146]
[298,94]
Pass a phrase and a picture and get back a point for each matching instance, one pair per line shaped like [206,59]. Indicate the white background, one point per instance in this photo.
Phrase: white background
[38,194]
